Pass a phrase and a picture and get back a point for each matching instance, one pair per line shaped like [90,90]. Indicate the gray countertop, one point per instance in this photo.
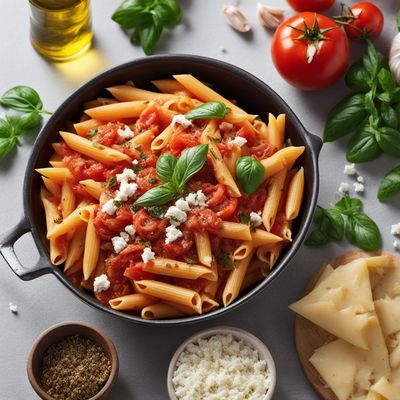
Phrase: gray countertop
[145,351]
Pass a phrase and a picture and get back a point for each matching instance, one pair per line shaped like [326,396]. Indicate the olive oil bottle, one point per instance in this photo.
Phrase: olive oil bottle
[61,29]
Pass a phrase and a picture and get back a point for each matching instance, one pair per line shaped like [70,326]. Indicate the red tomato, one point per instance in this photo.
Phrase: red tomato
[147,227]
[365,21]
[107,135]
[136,273]
[263,150]
[180,246]
[310,5]
[181,141]
[82,167]
[310,64]
[204,220]
[150,119]
[108,226]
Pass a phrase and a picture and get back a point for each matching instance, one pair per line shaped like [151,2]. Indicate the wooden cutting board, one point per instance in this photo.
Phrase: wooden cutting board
[308,336]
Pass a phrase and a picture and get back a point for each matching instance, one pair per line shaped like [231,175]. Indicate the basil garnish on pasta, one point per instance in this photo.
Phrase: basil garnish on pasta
[209,110]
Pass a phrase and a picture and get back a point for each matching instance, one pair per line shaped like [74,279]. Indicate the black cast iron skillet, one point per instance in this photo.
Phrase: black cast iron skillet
[252,95]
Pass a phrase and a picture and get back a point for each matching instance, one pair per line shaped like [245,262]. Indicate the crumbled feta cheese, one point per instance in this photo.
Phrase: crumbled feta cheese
[125,191]
[358,187]
[220,367]
[255,219]
[396,244]
[126,133]
[344,188]
[119,243]
[360,179]
[181,120]
[101,283]
[183,205]
[135,162]
[175,215]
[172,233]
[126,175]
[13,307]
[148,255]
[109,207]
[238,140]
[350,169]
[130,229]
[125,236]
[197,199]
[225,126]
[395,230]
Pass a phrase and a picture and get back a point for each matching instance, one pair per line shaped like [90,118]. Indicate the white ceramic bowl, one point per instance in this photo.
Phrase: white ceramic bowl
[237,333]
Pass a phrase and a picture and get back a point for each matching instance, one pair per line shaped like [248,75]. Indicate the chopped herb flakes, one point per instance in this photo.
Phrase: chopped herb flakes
[190,260]
[215,140]
[214,154]
[135,208]
[74,368]
[97,145]
[112,181]
[118,203]
[92,133]
[137,169]
[143,156]
[225,260]
[244,218]
[152,181]
[127,144]
[138,148]
[156,211]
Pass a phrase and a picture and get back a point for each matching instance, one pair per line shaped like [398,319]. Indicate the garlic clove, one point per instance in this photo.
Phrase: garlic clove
[236,19]
[394,58]
[269,16]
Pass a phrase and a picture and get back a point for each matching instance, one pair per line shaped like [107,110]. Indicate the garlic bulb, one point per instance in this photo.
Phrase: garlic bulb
[269,16]
[394,58]
[236,19]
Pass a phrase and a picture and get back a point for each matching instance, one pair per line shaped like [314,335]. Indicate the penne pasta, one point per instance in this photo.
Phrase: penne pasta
[57,175]
[295,195]
[67,200]
[162,140]
[275,190]
[203,247]
[143,139]
[129,93]
[234,230]
[168,292]
[95,189]
[83,128]
[71,222]
[179,269]
[57,164]
[251,279]
[284,158]
[244,250]
[235,280]
[92,248]
[76,247]
[112,112]
[231,158]
[93,150]
[136,301]
[58,148]
[52,187]
[161,311]
[170,86]
[208,304]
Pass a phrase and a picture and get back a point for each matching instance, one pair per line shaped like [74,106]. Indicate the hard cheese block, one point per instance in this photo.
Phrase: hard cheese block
[341,303]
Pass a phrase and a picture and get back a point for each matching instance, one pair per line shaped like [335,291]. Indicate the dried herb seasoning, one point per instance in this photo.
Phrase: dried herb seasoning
[76,368]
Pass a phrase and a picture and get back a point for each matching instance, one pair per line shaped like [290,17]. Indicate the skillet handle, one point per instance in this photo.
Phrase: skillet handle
[7,242]
[316,142]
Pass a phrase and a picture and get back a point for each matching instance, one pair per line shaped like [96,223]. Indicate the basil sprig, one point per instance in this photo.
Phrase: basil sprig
[27,101]
[345,219]
[174,173]
[146,20]
[209,110]
[250,174]
[390,184]
[373,112]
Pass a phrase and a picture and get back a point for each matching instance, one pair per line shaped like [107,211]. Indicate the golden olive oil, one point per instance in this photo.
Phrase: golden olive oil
[61,29]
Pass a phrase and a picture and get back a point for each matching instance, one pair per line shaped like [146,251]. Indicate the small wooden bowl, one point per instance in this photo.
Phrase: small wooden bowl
[238,334]
[55,334]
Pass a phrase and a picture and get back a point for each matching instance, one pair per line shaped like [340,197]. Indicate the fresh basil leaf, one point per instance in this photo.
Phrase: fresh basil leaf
[386,81]
[165,167]
[135,37]
[317,238]
[157,196]
[390,184]
[345,117]
[389,116]
[10,126]
[332,224]
[7,144]
[357,77]
[22,98]
[209,110]
[168,11]
[373,62]
[363,145]
[389,141]
[363,232]
[348,205]
[189,163]
[150,34]
[250,174]
[132,14]
[28,122]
